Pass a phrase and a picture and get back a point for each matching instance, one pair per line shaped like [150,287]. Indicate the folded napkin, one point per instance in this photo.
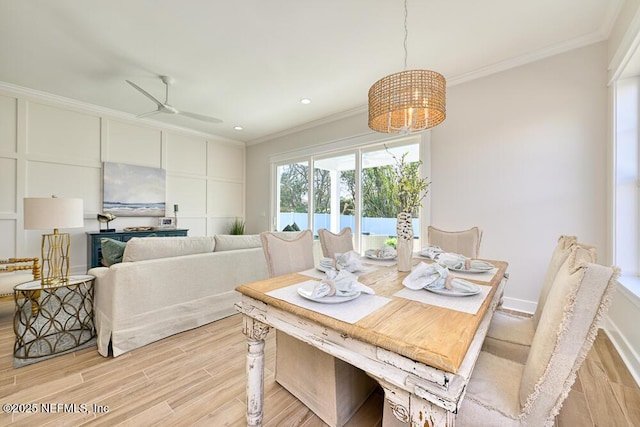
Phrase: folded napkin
[454,261]
[436,277]
[339,283]
[431,252]
[350,261]
[461,262]
[386,252]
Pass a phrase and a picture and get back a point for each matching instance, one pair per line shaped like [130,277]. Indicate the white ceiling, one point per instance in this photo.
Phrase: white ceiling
[249,62]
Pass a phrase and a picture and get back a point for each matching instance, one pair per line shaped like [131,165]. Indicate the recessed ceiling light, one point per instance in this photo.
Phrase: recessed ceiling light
[237,128]
[305,101]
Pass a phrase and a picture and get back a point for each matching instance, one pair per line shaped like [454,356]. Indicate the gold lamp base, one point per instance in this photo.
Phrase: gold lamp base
[55,258]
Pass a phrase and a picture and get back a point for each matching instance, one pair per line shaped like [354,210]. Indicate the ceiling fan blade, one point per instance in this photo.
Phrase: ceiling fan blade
[145,93]
[200,117]
[150,113]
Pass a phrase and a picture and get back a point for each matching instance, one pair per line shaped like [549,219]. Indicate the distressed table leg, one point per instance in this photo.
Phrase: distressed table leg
[406,409]
[424,413]
[396,405]
[256,332]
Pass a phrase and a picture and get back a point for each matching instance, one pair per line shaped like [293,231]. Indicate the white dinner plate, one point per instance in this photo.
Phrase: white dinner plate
[306,291]
[471,270]
[455,292]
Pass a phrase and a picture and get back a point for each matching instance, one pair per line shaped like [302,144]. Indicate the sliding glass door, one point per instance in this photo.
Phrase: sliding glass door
[348,189]
[334,193]
[293,196]
[379,201]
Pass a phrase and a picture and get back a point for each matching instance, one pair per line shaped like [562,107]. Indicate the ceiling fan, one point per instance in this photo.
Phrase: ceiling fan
[165,107]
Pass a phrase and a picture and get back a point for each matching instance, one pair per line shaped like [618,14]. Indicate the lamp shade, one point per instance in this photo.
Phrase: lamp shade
[408,101]
[42,213]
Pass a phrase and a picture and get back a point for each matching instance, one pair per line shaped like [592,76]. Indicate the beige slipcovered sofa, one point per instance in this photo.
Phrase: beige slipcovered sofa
[166,285]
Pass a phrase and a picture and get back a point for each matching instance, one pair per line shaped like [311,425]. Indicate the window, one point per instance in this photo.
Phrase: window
[627,178]
[379,208]
[334,193]
[293,196]
[351,188]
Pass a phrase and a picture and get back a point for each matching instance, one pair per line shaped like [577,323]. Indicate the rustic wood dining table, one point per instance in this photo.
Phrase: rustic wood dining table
[420,353]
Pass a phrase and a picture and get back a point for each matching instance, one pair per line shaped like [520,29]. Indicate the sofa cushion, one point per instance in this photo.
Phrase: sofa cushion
[143,248]
[112,251]
[231,242]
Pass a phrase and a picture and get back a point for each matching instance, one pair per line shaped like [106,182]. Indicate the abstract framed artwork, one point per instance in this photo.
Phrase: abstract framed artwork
[131,190]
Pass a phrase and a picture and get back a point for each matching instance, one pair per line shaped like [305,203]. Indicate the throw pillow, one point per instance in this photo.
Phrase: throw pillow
[112,251]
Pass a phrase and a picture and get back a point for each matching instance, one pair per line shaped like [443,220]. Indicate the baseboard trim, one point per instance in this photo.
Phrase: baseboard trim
[520,305]
[630,358]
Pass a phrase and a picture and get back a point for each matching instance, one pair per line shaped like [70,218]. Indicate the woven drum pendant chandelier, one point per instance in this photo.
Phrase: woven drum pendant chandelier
[408,101]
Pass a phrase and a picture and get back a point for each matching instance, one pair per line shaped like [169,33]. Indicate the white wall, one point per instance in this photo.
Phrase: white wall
[521,154]
[524,154]
[56,146]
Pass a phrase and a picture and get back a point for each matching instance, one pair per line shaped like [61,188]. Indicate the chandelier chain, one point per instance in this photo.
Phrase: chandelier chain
[408,101]
[406,34]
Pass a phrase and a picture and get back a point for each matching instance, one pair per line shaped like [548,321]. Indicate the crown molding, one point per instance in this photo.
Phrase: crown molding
[626,49]
[105,112]
[310,125]
[547,52]
[538,55]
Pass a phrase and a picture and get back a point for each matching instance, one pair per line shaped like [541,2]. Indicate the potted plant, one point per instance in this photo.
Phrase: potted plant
[409,190]
[237,227]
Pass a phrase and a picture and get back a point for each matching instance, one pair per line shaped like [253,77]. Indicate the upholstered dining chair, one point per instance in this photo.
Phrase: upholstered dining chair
[465,242]
[502,392]
[287,255]
[333,243]
[326,380]
[509,335]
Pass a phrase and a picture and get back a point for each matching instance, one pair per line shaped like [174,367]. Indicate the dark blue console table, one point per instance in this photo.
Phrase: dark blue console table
[94,246]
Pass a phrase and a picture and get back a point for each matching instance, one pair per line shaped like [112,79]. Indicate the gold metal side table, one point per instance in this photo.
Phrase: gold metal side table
[52,320]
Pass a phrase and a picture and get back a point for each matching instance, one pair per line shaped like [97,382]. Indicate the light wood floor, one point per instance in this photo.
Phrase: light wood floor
[197,378]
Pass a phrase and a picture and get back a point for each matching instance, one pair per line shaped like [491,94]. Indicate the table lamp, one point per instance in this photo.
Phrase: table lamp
[54,213]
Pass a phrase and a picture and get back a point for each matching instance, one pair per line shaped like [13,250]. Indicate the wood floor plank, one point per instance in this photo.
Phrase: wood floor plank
[149,417]
[231,414]
[575,411]
[198,378]
[210,406]
[629,399]
[285,410]
[43,390]
[612,362]
[135,401]
[604,407]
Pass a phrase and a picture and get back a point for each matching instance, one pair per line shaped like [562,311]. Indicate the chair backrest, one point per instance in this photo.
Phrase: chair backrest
[287,255]
[558,257]
[465,242]
[333,243]
[578,299]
